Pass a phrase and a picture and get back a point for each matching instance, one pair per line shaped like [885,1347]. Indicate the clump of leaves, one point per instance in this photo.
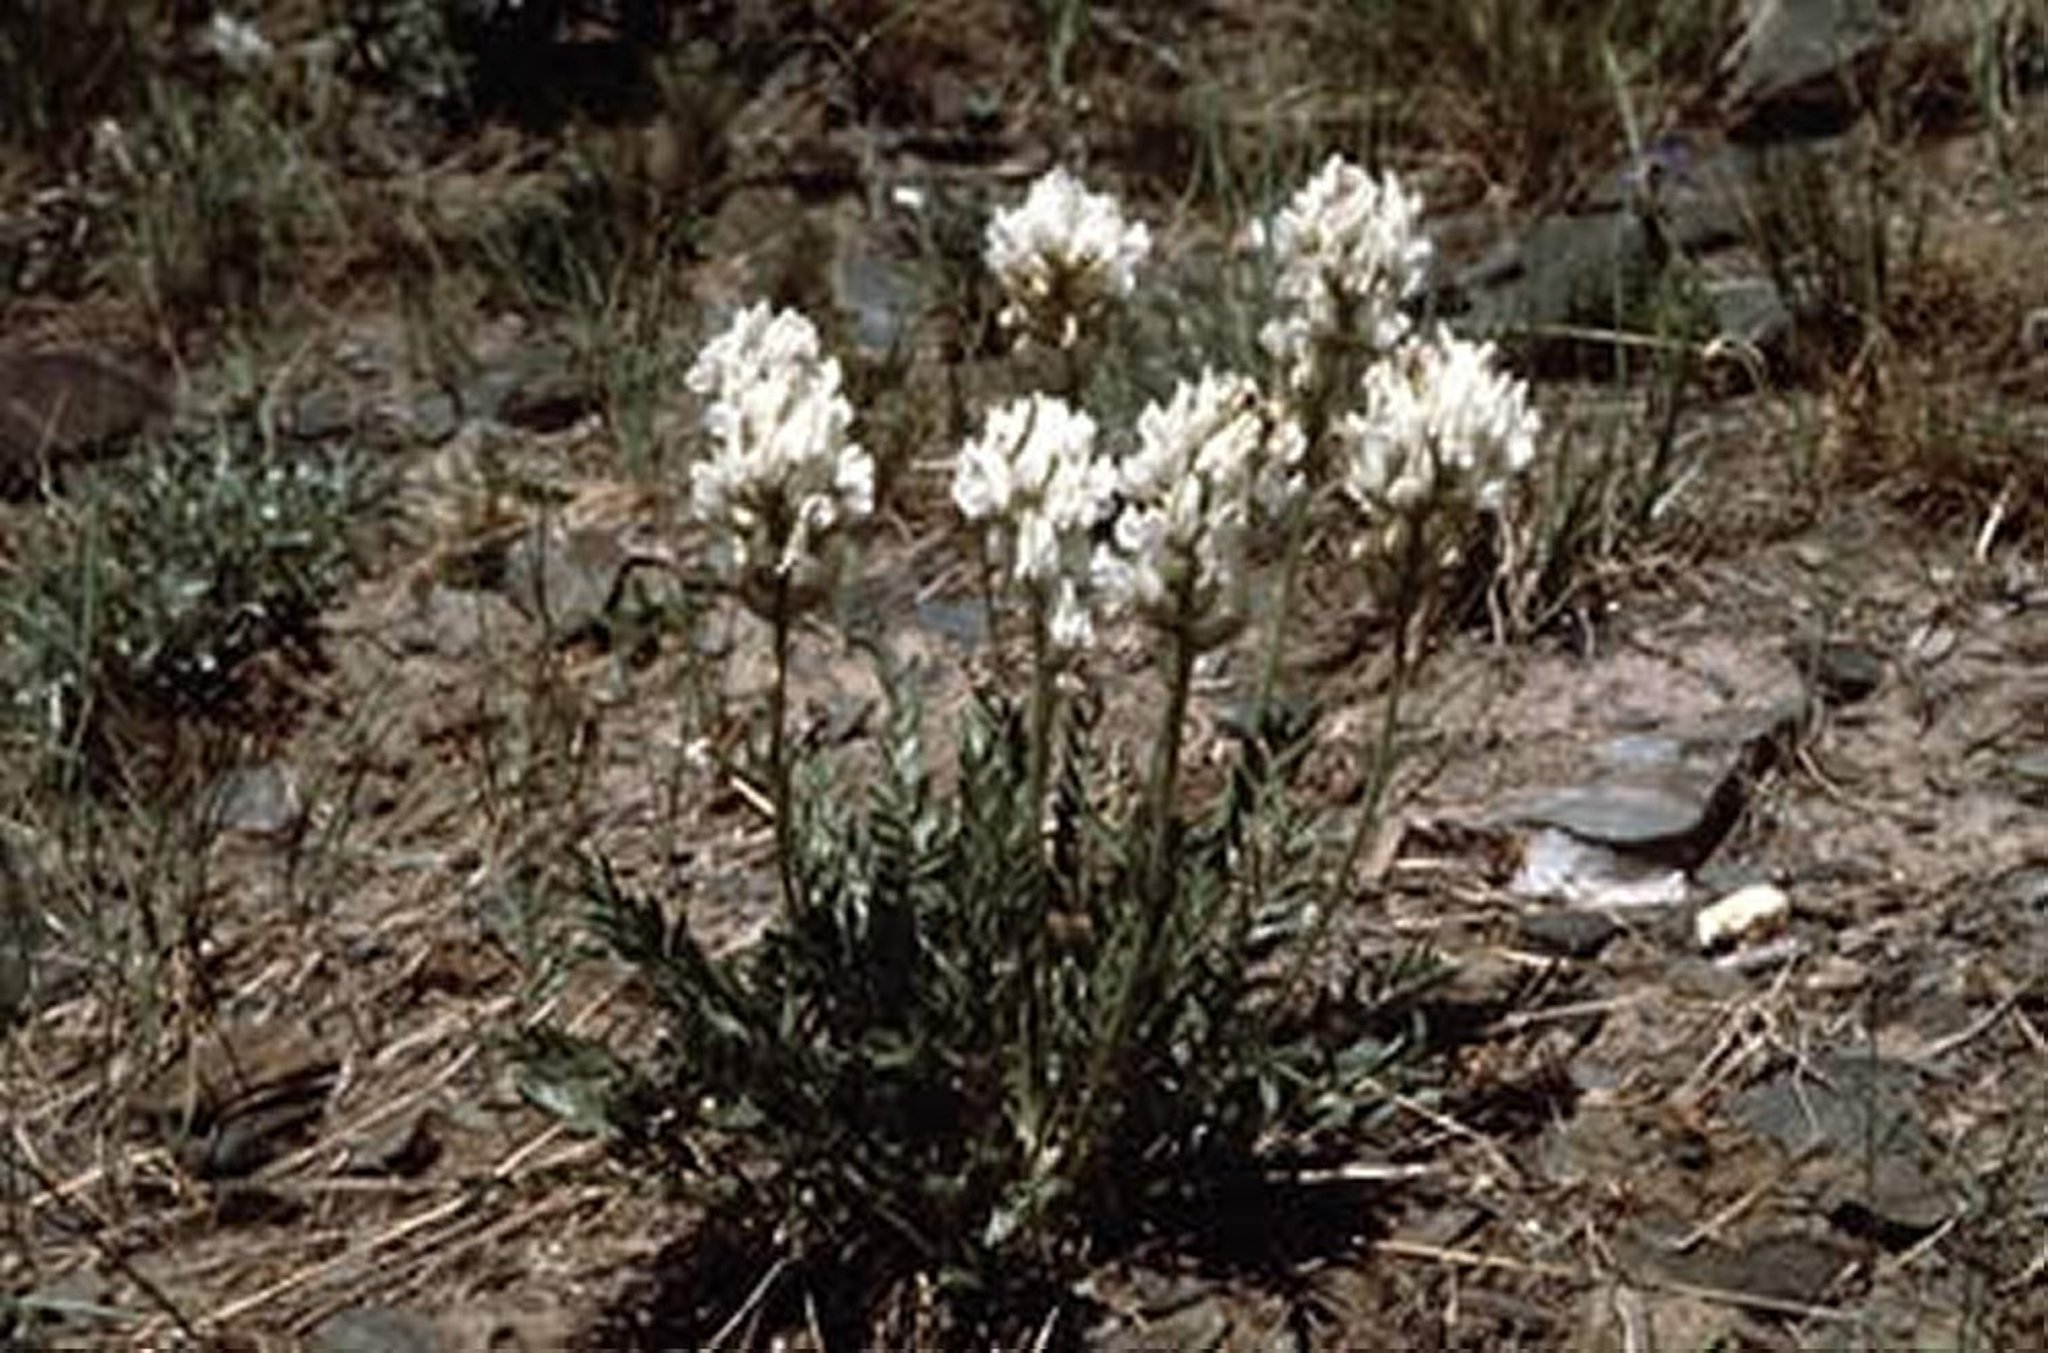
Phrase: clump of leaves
[214,198]
[976,1050]
[142,593]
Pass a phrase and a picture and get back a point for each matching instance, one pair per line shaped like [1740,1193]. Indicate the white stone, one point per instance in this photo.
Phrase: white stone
[1744,913]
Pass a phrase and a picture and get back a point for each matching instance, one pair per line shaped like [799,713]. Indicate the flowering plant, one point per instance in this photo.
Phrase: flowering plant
[1440,425]
[1210,463]
[1034,481]
[1348,251]
[783,473]
[1061,257]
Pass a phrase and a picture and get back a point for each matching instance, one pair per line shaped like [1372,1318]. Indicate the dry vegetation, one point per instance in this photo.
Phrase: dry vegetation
[389,837]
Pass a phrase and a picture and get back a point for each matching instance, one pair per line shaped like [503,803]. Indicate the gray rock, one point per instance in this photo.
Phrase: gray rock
[258,800]
[458,622]
[1795,1267]
[879,295]
[2034,332]
[540,389]
[963,622]
[404,1148]
[374,1329]
[1792,61]
[433,418]
[324,415]
[1881,1176]
[1807,67]
[1663,803]
[61,406]
[566,578]
[2028,772]
[1839,673]
[1572,933]
[1198,1327]
[1676,818]
[24,929]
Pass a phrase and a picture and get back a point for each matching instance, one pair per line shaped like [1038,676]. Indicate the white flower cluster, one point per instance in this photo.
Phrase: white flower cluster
[1208,461]
[1061,255]
[1439,420]
[782,472]
[236,43]
[1034,480]
[1348,251]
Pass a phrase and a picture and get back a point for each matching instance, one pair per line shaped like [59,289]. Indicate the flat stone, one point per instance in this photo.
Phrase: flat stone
[374,1329]
[404,1148]
[457,622]
[1796,1267]
[1839,673]
[325,415]
[239,1099]
[565,578]
[257,800]
[1569,933]
[880,296]
[63,405]
[1801,68]
[962,622]
[1856,1115]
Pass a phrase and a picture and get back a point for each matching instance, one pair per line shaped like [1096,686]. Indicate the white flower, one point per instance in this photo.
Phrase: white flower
[1062,255]
[1209,463]
[782,472]
[1348,250]
[1034,479]
[236,43]
[1439,421]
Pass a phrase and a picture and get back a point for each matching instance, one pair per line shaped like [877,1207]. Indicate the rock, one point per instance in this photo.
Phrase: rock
[24,928]
[1795,1267]
[566,577]
[1785,71]
[239,1100]
[1802,68]
[540,389]
[2034,332]
[881,297]
[1742,914]
[457,622]
[1665,801]
[1839,673]
[1199,1327]
[374,1329]
[62,405]
[405,1148]
[1879,1173]
[962,622]
[1603,265]
[1571,933]
[257,800]
[2028,774]
[432,418]
[1557,863]
[324,415]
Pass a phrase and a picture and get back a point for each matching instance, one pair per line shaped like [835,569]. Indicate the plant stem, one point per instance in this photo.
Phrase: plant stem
[778,749]
[1283,608]
[1414,561]
[1044,693]
[1160,867]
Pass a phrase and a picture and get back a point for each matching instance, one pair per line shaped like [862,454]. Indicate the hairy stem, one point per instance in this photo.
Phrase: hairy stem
[778,748]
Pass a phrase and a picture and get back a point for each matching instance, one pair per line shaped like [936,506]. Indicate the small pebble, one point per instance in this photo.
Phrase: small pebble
[1742,914]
